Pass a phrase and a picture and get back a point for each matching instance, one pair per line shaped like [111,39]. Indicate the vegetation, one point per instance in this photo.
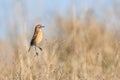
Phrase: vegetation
[80,51]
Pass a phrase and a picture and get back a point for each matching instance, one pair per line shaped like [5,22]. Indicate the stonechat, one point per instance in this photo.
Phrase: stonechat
[37,37]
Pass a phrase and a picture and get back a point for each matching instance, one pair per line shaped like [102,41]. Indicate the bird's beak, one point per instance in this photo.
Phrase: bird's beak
[43,26]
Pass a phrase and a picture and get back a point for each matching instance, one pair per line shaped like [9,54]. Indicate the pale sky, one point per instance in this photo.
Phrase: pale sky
[44,10]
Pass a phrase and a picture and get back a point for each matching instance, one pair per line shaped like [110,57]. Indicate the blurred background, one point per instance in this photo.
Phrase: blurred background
[81,39]
[25,14]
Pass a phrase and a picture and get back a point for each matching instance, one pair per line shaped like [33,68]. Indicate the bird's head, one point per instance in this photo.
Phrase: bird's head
[38,27]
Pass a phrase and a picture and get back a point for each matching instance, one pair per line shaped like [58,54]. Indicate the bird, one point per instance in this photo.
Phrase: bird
[37,37]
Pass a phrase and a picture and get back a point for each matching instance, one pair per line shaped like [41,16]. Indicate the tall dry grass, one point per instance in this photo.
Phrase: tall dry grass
[81,51]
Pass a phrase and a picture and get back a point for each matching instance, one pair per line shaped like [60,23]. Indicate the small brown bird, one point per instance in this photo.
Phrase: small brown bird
[37,37]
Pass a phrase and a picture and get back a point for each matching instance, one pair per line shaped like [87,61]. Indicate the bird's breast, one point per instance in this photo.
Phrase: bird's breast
[39,37]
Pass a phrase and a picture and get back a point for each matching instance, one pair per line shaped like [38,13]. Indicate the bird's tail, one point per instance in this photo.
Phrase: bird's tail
[29,49]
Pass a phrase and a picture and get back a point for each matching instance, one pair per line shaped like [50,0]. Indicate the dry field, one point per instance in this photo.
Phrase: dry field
[80,52]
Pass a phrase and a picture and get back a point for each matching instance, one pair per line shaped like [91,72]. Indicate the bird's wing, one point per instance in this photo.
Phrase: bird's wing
[33,38]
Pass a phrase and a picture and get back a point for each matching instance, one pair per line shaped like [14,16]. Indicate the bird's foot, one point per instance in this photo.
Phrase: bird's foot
[40,48]
[37,53]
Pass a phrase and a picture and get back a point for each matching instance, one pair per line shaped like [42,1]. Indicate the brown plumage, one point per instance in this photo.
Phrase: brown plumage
[37,37]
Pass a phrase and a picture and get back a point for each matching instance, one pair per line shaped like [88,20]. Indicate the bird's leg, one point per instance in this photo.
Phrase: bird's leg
[36,51]
[39,48]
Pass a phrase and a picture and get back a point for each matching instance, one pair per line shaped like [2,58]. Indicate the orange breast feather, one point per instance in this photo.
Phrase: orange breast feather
[38,37]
